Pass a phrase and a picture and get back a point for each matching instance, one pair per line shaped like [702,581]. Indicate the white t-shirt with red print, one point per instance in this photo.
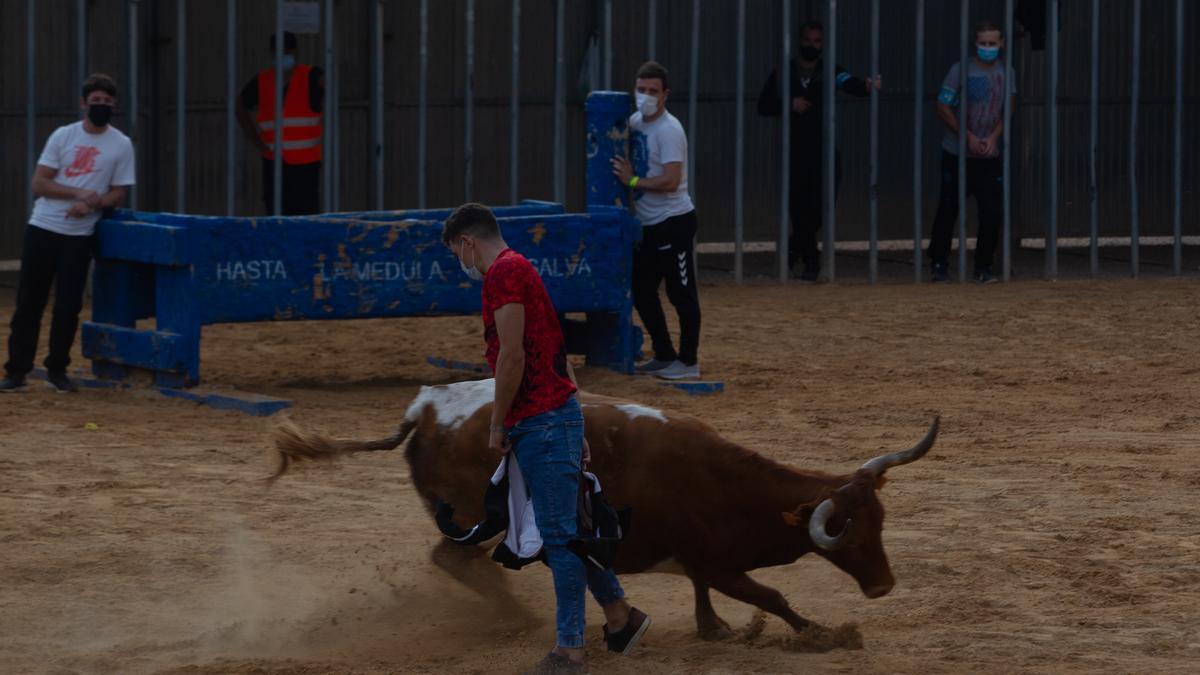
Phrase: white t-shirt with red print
[96,162]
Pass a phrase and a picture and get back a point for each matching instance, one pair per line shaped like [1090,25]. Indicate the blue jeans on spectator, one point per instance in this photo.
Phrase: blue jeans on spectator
[549,449]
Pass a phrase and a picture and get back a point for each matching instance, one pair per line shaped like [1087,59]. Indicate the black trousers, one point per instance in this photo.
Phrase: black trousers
[667,253]
[48,258]
[985,180]
[805,197]
[301,188]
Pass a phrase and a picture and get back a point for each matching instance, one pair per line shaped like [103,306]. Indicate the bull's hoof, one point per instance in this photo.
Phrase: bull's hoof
[717,633]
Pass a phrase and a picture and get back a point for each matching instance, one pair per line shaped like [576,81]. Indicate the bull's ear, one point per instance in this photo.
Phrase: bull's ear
[880,481]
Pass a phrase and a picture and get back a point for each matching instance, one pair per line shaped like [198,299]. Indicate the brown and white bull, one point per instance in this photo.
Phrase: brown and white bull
[702,505]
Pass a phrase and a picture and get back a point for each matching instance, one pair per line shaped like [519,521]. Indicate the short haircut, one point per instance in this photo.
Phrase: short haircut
[99,82]
[653,70]
[812,24]
[986,27]
[289,41]
[474,219]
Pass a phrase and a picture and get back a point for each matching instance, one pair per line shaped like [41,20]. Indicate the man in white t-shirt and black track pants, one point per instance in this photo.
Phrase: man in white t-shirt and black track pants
[667,250]
[85,168]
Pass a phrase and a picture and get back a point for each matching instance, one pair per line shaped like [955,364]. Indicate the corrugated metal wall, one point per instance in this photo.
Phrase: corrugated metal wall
[712,179]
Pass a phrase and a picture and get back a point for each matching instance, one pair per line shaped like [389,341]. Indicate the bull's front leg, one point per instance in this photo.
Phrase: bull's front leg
[742,587]
[708,624]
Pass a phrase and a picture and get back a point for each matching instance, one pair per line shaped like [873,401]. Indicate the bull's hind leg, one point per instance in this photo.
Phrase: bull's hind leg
[742,587]
[708,624]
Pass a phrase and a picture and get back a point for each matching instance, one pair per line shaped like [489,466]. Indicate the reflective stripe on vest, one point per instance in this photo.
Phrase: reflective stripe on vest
[302,127]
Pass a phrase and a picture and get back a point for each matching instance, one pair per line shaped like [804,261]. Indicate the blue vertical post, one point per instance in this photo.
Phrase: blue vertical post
[422,106]
[1052,124]
[181,107]
[829,144]
[514,107]
[327,114]
[652,31]
[231,124]
[785,140]
[277,173]
[918,128]
[607,132]
[560,74]
[1093,143]
[1177,225]
[132,38]
[739,169]
[469,106]
[377,100]
[873,196]
[1009,71]
[963,65]
[30,98]
[1134,98]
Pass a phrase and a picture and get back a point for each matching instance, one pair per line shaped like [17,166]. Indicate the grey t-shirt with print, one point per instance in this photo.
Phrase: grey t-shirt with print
[985,100]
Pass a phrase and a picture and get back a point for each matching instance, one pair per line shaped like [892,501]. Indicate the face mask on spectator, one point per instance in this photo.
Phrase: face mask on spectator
[472,272]
[987,54]
[810,53]
[99,113]
[289,61]
[646,104]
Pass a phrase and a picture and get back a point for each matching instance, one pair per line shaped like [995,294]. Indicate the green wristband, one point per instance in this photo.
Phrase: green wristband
[633,182]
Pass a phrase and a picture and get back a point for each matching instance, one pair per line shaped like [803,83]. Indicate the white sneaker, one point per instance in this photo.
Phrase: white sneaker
[678,371]
[651,367]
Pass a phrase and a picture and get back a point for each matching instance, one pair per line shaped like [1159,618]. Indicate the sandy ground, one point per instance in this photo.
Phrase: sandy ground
[1054,528]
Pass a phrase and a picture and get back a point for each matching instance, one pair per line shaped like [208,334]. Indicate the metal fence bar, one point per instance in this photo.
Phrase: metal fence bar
[918,141]
[469,106]
[963,65]
[785,138]
[328,156]
[81,42]
[423,108]
[608,59]
[873,195]
[560,160]
[1009,71]
[181,107]
[739,162]
[828,147]
[30,98]
[514,113]
[1052,127]
[652,31]
[277,173]
[231,124]
[1134,97]
[377,102]
[132,38]
[693,98]
[1093,144]
[1177,226]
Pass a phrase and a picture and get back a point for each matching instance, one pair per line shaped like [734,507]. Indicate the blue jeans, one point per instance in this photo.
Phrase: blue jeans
[549,448]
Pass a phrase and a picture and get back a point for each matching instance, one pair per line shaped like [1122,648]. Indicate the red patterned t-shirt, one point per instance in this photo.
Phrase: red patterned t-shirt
[545,384]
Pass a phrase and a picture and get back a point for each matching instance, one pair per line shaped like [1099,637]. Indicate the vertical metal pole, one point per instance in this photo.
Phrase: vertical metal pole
[785,138]
[277,173]
[608,60]
[873,225]
[469,106]
[1177,254]
[963,66]
[1009,73]
[829,145]
[693,101]
[181,107]
[132,38]
[1093,145]
[652,31]
[81,43]
[1135,96]
[30,98]
[327,156]
[377,98]
[231,124]
[918,150]
[423,108]
[1052,125]
[739,162]
[560,163]
[514,115]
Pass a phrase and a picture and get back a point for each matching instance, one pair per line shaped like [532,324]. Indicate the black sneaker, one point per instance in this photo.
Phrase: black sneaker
[939,272]
[984,275]
[624,640]
[60,383]
[12,385]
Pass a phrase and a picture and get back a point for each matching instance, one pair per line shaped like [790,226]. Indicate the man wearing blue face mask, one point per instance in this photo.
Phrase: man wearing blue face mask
[988,78]
[303,98]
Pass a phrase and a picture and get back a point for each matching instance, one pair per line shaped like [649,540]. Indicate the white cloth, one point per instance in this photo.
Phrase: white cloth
[523,537]
[655,144]
[96,162]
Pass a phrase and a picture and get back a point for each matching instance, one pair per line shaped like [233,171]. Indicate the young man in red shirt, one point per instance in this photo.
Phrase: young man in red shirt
[536,416]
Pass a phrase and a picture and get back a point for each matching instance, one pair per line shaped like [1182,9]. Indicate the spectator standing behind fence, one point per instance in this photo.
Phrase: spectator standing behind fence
[663,204]
[986,84]
[303,101]
[805,194]
[86,167]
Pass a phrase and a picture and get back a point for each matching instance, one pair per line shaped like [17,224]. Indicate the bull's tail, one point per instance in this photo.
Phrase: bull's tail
[292,444]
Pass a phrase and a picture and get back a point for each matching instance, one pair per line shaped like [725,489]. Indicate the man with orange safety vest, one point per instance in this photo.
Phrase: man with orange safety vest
[303,101]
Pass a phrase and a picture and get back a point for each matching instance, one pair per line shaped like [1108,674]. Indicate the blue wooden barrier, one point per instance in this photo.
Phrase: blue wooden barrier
[192,271]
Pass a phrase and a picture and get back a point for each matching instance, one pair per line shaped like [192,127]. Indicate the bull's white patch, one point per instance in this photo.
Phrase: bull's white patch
[453,403]
[634,411]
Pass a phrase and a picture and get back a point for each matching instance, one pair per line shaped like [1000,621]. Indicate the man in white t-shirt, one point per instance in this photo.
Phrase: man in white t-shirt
[659,179]
[85,168]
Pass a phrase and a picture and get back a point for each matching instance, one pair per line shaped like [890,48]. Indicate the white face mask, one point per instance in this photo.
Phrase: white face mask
[646,104]
[289,61]
[471,271]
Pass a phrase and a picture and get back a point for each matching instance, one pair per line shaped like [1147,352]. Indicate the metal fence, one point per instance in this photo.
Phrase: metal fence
[433,102]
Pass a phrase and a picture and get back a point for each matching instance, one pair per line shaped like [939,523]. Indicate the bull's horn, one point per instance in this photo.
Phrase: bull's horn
[885,462]
[816,527]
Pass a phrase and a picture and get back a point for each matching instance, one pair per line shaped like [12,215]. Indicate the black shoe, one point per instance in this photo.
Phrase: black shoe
[984,275]
[939,272]
[12,385]
[624,640]
[61,383]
